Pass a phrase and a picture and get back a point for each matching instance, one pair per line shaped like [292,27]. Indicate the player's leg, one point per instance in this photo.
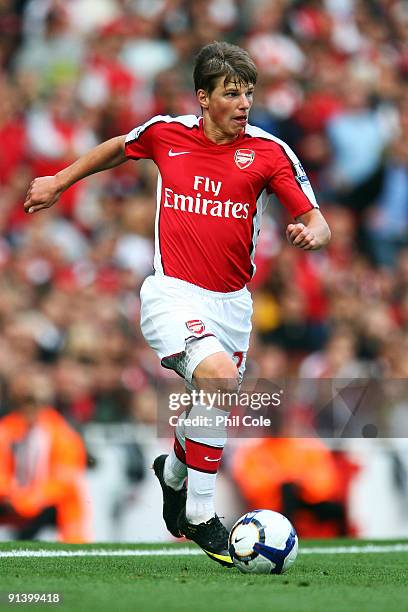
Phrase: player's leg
[175,468]
[215,375]
[166,338]
[171,471]
[168,307]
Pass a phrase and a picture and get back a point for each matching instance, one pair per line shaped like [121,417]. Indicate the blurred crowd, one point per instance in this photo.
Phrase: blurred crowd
[333,83]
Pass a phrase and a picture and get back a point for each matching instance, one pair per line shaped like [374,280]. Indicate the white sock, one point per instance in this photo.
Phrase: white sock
[200,506]
[175,471]
[204,446]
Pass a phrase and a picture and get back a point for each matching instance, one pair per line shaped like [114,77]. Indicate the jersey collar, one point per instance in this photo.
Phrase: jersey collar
[209,142]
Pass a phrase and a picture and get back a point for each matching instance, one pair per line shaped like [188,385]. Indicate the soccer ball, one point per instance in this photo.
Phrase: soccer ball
[263,542]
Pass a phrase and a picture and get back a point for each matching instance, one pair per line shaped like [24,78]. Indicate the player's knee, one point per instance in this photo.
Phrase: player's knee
[217,372]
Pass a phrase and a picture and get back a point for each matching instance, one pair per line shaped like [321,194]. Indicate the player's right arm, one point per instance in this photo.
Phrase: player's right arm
[45,191]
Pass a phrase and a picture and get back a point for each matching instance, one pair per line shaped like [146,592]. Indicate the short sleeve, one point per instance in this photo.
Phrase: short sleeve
[139,142]
[290,183]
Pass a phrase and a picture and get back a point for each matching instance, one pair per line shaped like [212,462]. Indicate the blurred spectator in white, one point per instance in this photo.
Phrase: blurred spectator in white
[54,52]
[358,139]
[388,223]
[274,52]
[337,360]
[83,15]
[134,249]
[145,55]
[58,132]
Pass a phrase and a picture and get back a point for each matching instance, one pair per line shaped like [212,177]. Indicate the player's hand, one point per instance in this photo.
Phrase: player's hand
[42,193]
[302,237]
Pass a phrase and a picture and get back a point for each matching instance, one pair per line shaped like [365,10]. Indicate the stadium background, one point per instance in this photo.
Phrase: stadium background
[333,84]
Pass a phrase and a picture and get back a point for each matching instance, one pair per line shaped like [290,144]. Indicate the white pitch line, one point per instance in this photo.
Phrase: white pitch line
[158,552]
[365,549]
[172,552]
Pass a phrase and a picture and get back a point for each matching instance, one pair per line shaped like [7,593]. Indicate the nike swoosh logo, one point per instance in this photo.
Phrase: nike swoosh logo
[174,154]
[239,539]
[208,459]
[222,559]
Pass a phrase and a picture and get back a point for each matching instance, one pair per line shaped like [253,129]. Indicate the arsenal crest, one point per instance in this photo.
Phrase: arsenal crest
[244,158]
[195,326]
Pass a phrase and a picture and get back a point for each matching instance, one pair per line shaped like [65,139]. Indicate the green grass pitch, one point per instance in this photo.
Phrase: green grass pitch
[363,582]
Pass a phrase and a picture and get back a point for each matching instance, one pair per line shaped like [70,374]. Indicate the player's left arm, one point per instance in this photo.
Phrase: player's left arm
[310,232]
[289,182]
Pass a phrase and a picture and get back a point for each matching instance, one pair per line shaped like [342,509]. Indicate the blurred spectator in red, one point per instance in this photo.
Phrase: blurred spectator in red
[170,95]
[13,134]
[278,56]
[57,133]
[10,30]
[84,70]
[118,98]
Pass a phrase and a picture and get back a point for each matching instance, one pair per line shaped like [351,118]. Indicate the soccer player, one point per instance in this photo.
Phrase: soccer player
[216,175]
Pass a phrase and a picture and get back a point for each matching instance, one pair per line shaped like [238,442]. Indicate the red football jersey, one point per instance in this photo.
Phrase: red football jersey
[210,197]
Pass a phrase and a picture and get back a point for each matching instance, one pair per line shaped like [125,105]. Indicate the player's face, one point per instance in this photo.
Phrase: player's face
[226,109]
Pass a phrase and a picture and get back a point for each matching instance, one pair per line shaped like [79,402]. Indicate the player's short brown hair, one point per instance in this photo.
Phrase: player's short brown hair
[223,59]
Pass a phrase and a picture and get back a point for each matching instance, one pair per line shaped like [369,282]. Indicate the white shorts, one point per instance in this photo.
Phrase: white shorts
[184,323]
